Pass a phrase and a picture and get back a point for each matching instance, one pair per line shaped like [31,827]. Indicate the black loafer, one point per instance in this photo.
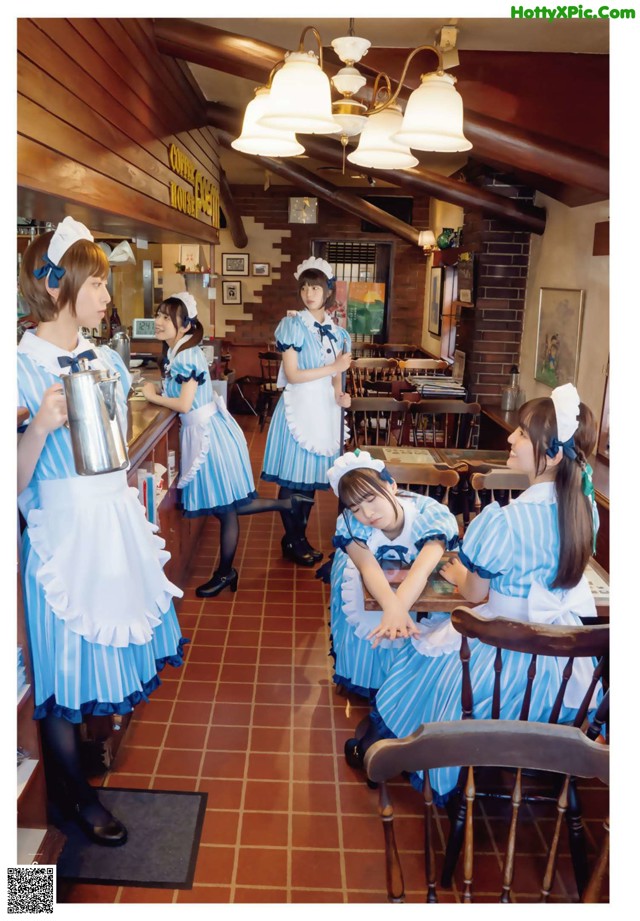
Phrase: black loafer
[113,834]
[296,551]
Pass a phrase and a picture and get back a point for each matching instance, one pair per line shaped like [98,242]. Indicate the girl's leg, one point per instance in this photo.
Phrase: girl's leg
[225,574]
[295,545]
[61,742]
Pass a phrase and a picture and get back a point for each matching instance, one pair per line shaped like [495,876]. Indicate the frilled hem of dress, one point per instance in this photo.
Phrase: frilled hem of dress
[106,708]
[220,509]
[368,693]
[78,620]
[205,447]
[291,484]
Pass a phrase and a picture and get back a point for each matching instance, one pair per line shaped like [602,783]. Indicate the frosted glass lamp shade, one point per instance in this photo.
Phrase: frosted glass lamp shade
[377,149]
[350,49]
[259,140]
[300,99]
[433,117]
[348,81]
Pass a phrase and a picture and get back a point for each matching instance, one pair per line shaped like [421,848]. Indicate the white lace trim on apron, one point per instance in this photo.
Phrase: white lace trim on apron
[101,561]
[195,438]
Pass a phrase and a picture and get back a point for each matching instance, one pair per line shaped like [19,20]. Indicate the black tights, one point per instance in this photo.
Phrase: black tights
[290,523]
[230,527]
[61,744]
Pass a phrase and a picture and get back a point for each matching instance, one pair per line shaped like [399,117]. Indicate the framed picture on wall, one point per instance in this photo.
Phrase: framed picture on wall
[260,268]
[235,264]
[559,331]
[435,301]
[231,292]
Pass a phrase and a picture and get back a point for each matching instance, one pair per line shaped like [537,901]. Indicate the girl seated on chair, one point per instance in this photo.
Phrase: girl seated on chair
[530,557]
[378,523]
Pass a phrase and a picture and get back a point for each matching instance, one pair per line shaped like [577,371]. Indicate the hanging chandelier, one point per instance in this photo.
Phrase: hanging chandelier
[297,100]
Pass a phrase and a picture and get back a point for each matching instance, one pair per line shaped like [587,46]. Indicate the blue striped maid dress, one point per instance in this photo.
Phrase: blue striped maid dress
[100,617]
[516,547]
[286,459]
[215,471]
[358,665]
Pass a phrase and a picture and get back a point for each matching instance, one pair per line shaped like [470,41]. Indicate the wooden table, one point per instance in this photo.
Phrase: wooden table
[440,595]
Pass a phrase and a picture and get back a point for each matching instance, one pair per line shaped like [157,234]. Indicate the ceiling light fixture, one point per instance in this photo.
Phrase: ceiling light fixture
[297,99]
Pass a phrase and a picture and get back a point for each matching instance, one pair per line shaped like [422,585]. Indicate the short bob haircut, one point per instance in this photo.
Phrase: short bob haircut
[82,260]
[315,277]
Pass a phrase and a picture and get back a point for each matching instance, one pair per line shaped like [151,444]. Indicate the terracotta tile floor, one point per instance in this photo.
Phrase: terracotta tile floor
[252,719]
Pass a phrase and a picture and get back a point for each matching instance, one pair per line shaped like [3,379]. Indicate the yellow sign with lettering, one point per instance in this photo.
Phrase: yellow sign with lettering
[204,197]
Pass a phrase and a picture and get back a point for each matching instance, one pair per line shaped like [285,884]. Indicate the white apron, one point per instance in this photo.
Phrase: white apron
[101,561]
[195,438]
[313,416]
[438,636]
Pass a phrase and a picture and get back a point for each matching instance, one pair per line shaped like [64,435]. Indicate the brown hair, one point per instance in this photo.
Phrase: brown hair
[575,515]
[82,260]
[175,309]
[356,485]
[316,277]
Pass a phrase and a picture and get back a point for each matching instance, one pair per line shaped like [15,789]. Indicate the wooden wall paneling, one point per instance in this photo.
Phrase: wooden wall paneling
[48,172]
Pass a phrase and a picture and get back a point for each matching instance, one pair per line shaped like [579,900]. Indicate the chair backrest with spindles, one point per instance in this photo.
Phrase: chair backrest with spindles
[443,423]
[375,421]
[269,366]
[499,485]
[426,479]
[418,367]
[366,374]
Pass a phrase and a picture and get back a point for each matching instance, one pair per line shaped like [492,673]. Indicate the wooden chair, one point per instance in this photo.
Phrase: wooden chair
[496,485]
[418,367]
[268,394]
[564,750]
[533,640]
[401,350]
[375,421]
[425,478]
[366,350]
[371,376]
[443,423]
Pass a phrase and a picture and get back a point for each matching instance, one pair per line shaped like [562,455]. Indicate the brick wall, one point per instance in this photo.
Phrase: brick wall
[491,333]
[406,298]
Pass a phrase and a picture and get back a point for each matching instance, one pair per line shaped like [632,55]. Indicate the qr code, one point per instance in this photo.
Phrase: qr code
[30,890]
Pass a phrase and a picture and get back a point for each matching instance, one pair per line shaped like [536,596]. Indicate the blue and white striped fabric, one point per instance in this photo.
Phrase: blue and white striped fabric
[285,461]
[73,677]
[224,481]
[513,547]
[358,665]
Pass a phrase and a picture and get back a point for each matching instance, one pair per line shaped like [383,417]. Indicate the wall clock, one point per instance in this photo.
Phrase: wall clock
[303,210]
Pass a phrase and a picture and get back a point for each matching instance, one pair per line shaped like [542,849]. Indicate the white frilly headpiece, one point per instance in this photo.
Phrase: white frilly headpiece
[189,302]
[314,262]
[352,460]
[566,403]
[65,235]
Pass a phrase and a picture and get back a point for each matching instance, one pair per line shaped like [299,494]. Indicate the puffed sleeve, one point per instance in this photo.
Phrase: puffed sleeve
[487,548]
[348,528]
[434,522]
[114,360]
[289,334]
[190,365]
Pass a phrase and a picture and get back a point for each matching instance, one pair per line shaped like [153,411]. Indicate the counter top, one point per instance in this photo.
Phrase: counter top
[146,423]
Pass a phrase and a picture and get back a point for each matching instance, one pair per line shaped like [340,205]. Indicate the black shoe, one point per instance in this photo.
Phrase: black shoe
[304,546]
[113,834]
[316,554]
[296,551]
[355,759]
[217,583]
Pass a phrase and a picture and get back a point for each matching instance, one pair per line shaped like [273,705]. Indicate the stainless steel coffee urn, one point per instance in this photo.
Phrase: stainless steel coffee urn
[98,442]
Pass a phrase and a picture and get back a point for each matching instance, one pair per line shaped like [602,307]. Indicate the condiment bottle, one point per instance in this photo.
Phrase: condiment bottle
[114,320]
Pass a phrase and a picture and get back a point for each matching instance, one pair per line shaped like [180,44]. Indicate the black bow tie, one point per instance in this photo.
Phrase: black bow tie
[325,330]
[64,360]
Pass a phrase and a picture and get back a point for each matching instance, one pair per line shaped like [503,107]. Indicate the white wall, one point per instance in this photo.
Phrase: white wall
[562,258]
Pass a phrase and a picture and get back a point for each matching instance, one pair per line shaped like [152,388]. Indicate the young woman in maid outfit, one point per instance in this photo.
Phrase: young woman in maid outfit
[305,430]
[530,556]
[215,472]
[99,608]
[378,523]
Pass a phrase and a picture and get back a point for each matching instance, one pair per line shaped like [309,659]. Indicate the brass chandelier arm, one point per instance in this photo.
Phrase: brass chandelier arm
[375,91]
[393,96]
[317,37]
[272,73]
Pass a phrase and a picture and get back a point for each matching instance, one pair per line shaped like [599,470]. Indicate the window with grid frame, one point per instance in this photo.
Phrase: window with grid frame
[360,261]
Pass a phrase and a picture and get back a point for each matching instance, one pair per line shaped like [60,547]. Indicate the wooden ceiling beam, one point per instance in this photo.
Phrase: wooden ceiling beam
[417,181]
[515,148]
[323,189]
[232,214]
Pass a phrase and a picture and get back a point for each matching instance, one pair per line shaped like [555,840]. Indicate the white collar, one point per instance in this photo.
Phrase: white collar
[171,353]
[46,354]
[307,318]
[539,493]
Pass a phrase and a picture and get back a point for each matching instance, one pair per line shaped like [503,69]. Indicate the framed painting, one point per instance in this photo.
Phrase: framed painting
[260,268]
[435,301]
[559,332]
[231,292]
[235,264]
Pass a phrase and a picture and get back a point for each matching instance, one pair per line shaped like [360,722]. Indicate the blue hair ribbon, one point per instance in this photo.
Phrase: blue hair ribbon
[55,272]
